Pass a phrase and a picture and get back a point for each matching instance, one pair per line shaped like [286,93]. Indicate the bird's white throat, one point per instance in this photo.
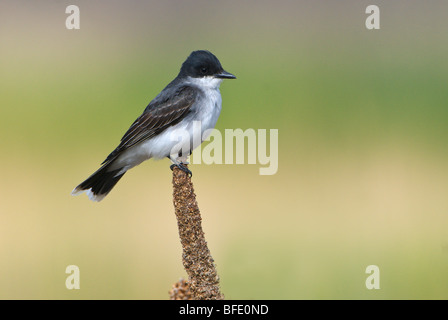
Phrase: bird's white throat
[208,82]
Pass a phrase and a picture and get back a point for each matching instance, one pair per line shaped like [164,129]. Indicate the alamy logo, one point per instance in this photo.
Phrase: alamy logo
[373,20]
[72,21]
[72,281]
[230,148]
[373,280]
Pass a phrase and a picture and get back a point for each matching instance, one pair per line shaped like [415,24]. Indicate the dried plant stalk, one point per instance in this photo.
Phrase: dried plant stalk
[180,291]
[203,279]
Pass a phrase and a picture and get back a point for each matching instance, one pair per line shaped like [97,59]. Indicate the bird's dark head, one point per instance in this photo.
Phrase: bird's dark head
[203,63]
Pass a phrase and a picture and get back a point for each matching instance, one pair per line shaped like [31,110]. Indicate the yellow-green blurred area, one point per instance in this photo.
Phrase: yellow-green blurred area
[363,173]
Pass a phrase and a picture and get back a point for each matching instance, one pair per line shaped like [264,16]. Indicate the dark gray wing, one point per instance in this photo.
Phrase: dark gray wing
[158,116]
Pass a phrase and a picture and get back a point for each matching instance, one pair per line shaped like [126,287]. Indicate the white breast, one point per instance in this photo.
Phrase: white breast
[210,108]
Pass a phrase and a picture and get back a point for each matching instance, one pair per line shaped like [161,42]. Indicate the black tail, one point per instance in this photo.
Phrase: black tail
[99,184]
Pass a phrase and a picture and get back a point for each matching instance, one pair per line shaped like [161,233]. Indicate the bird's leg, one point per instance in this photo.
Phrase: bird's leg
[179,162]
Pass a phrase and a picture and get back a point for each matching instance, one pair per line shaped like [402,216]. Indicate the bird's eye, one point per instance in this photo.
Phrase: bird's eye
[204,70]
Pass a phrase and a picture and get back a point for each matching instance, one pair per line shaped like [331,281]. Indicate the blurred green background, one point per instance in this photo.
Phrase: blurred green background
[363,173]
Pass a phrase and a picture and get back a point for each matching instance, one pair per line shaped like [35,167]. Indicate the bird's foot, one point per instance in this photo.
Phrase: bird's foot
[181,167]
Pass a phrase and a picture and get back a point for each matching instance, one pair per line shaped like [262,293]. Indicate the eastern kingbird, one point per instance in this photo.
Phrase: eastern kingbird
[192,96]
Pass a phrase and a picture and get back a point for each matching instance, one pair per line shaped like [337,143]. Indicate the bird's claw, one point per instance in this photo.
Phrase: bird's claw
[181,167]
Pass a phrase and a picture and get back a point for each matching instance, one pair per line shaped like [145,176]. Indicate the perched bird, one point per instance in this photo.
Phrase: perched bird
[192,96]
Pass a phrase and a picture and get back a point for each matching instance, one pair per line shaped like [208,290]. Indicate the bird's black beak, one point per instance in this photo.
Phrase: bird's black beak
[225,75]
